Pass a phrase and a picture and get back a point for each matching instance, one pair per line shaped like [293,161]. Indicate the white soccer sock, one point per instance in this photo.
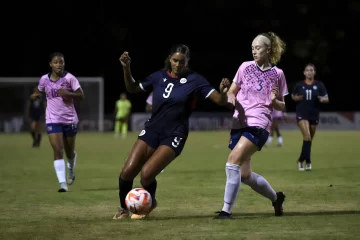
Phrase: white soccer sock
[259,184]
[60,170]
[269,140]
[232,187]
[280,140]
[72,162]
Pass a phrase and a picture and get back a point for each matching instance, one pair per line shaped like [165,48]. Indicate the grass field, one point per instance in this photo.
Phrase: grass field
[189,191]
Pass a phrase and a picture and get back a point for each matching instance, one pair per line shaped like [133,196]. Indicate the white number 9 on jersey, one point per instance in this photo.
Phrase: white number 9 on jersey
[168,90]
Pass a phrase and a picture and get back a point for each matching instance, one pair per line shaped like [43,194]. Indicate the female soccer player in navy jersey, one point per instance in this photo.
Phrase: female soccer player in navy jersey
[163,138]
[258,88]
[35,109]
[308,94]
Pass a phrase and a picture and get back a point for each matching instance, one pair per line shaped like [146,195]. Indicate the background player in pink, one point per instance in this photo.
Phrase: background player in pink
[277,117]
[257,89]
[61,89]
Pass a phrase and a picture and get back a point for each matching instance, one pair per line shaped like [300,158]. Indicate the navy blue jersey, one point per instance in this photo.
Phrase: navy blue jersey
[37,106]
[173,101]
[308,107]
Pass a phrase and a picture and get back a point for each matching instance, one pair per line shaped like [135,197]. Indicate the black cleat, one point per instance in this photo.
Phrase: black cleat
[278,204]
[62,190]
[223,215]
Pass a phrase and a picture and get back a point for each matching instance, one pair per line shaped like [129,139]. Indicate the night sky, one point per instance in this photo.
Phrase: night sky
[218,33]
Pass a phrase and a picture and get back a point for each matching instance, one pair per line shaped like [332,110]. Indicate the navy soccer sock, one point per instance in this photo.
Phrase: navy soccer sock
[151,189]
[305,152]
[124,188]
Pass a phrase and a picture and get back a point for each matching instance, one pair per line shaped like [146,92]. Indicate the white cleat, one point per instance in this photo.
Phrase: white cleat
[308,167]
[301,166]
[71,172]
[63,187]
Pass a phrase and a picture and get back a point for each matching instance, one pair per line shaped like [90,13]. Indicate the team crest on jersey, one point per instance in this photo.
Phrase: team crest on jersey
[314,87]
[142,133]
[183,80]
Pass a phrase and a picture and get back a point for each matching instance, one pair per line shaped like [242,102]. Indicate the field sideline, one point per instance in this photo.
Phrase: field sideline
[321,204]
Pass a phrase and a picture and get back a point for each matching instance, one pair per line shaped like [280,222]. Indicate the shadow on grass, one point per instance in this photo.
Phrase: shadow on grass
[261,215]
[100,189]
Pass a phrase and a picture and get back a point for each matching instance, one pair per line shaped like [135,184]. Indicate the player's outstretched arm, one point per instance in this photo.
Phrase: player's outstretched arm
[225,97]
[130,83]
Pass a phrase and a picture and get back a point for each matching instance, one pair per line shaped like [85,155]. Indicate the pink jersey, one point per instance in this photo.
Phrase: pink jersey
[149,99]
[58,110]
[254,95]
[276,114]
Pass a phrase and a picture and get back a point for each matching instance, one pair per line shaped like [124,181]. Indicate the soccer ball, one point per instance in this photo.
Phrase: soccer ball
[138,201]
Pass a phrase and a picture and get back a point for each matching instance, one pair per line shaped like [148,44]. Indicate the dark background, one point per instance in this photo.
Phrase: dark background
[93,34]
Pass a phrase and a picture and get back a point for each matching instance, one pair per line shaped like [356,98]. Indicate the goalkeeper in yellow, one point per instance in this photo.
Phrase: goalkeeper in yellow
[122,111]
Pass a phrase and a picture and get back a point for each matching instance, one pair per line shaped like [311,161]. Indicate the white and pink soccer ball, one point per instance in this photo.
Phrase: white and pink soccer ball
[138,201]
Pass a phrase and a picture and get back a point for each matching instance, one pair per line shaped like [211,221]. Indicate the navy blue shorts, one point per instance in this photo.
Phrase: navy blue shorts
[154,140]
[69,130]
[312,121]
[256,135]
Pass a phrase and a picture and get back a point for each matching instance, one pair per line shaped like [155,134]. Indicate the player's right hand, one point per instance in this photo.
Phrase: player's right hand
[298,97]
[35,96]
[125,59]
[225,85]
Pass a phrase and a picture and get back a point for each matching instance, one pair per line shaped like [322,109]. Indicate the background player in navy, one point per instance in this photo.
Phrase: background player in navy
[165,133]
[308,94]
[35,110]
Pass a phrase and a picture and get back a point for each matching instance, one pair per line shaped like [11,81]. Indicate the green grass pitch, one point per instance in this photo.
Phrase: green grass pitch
[321,204]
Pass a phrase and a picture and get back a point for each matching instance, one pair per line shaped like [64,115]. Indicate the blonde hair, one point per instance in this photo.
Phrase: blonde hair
[277,47]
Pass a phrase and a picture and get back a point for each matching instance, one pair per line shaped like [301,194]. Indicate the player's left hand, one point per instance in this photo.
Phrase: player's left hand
[225,85]
[274,93]
[321,99]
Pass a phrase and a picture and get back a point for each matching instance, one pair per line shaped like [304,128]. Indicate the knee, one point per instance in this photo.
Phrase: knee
[129,172]
[58,152]
[236,158]
[307,137]
[147,177]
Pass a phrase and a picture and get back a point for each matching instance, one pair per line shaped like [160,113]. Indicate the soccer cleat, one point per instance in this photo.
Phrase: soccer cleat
[301,166]
[142,216]
[123,213]
[71,176]
[223,215]
[278,204]
[63,187]
[308,167]
[71,173]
